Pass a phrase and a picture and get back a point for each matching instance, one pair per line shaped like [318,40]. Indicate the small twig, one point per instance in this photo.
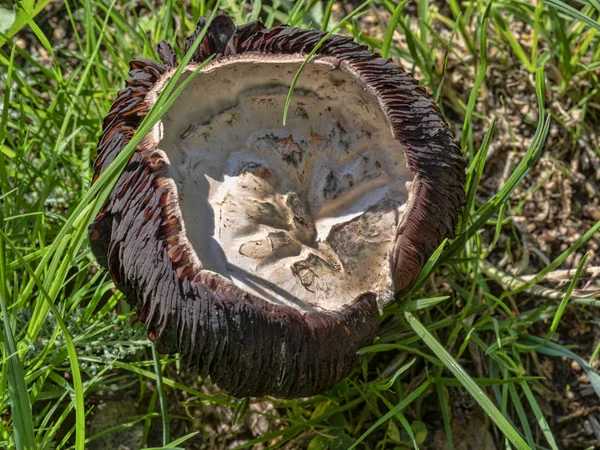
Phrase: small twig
[526,241]
[595,425]
[565,275]
[579,413]
[511,282]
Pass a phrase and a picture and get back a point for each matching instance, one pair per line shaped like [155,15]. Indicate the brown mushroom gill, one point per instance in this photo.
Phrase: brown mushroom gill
[302,215]
[262,252]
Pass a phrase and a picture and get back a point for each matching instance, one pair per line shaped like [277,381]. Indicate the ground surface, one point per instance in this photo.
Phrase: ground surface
[547,225]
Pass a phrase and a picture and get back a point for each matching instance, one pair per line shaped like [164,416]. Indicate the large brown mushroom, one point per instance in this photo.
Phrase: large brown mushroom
[263,253]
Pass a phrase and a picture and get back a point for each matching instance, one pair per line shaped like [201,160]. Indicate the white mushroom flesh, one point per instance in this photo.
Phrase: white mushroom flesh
[303,214]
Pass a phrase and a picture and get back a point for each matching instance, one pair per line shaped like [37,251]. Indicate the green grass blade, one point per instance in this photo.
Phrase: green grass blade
[422,303]
[17,390]
[75,371]
[164,412]
[475,172]
[389,34]
[466,139]
[392,412]
[553,349]
[478,395]
[572,12]
[539,416]
[327,15]
[256,9]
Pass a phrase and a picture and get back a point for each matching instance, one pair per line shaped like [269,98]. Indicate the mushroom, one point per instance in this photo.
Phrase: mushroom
[263,253]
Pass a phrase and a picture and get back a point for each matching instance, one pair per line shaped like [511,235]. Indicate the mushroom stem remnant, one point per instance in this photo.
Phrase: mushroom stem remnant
[260,252]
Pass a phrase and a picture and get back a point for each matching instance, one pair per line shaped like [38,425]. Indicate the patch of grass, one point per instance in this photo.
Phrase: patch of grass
[474,327]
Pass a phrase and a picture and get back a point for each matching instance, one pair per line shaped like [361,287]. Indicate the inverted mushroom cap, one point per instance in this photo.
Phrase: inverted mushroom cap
[260,252]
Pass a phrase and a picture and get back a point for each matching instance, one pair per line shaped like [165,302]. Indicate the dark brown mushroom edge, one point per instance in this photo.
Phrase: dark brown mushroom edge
[264,253]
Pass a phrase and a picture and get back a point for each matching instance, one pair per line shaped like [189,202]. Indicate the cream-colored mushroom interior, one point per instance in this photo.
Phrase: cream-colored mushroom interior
[303,214]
